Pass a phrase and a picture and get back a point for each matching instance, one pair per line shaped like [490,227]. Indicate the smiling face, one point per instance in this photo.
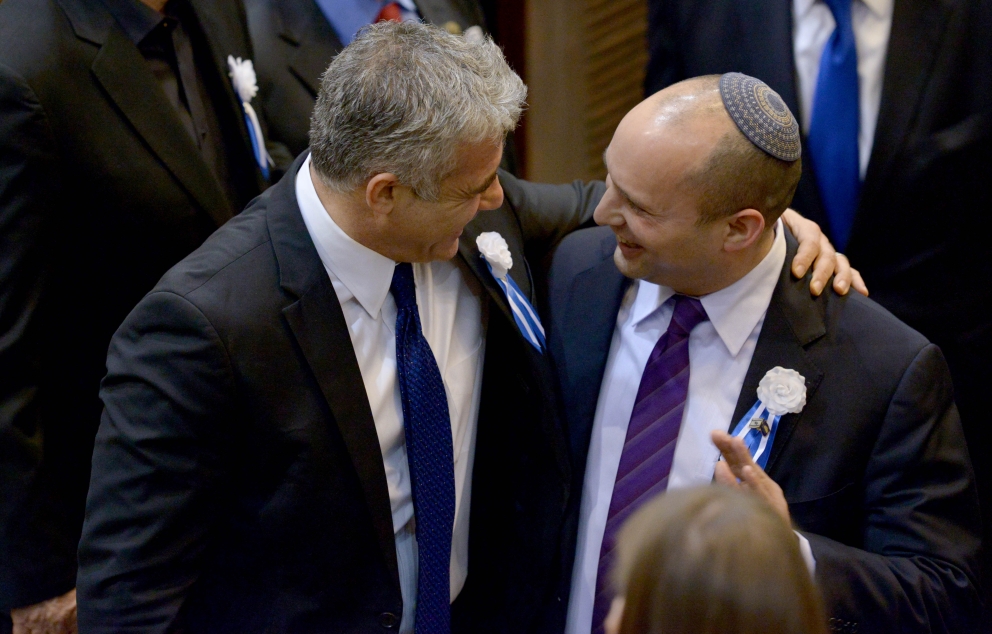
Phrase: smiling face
[654,216]
[421,231]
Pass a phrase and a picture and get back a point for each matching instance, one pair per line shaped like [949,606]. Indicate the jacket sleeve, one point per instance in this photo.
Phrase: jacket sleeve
[158,467]
[548,213]
[917,570]
[37,557]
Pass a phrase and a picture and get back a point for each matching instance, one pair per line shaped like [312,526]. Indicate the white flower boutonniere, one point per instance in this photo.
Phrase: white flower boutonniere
[782,391]
[242,73]
[494,248]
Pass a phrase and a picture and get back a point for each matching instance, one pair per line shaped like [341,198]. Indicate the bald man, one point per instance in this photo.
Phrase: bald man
[678,322]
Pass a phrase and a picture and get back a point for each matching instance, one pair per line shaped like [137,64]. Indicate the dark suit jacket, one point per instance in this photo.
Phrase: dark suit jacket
[101,191]
[919,235]
[238,484]
[874,468]
[294,43]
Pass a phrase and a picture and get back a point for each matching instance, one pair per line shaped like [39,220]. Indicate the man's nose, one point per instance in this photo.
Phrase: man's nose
[492,198]
[608,210]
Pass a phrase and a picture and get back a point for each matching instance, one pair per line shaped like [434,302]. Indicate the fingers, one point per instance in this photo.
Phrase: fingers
[858,283]
[733,450]
[823,267]
[723,475]
[757,481]
[842,276]
[808,235]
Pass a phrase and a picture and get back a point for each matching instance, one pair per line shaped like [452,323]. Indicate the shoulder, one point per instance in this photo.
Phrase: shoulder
[582,250]
[29,30]
[865,340]
[237,260]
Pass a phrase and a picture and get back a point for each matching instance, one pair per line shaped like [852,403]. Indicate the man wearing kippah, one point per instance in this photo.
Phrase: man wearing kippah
[678,322]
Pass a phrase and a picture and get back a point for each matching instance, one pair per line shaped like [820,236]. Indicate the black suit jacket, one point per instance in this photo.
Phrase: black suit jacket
[926,206]
[238,484]
[101,191]
[874,468]
[294,43]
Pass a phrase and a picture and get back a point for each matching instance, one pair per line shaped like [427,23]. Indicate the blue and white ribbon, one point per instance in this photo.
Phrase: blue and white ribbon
[757,430]
[257,140]
[242,74]
[523,313]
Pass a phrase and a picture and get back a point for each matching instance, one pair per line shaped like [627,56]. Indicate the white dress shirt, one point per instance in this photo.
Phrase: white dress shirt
[720,352]
[451,317]
[812,25]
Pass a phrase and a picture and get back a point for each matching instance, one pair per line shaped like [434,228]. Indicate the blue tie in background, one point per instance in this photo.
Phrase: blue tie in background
[430,456]
[833,130]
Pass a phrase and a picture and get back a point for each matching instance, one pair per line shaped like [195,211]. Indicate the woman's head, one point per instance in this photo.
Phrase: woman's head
[711,560]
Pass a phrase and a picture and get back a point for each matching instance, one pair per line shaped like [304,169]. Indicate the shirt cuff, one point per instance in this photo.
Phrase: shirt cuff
[807,552]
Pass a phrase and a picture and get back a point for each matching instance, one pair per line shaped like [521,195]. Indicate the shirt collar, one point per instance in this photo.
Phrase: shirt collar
[135,18]
[365,273]
[881,8]
[734,311]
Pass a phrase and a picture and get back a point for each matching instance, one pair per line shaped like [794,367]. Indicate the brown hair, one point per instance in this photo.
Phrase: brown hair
[737,174]
[711,560]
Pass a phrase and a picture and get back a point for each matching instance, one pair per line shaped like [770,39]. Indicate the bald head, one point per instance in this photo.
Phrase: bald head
[735,173]
[691,199]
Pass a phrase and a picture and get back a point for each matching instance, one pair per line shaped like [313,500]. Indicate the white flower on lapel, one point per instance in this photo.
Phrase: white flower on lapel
[782,391]
[474,34]
[243,77]
[493,247]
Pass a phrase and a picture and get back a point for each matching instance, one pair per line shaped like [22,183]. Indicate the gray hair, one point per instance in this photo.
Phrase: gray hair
[401,98]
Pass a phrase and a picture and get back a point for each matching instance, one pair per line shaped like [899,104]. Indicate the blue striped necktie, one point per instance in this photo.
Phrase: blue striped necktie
[833,130]
[649,448]
[429,452]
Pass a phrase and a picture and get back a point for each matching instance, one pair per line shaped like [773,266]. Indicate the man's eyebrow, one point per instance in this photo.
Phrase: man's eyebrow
[489,182]
[620,190]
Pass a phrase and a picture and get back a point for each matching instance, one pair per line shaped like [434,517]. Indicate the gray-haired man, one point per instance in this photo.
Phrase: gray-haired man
[277,415]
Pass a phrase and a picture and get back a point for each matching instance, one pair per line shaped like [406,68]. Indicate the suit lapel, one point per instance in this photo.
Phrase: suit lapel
[590,317]
[319,327]
[304,26]
[768,45]
[469,252]
[226,34]
[794,320]
[918,27]
[124,75]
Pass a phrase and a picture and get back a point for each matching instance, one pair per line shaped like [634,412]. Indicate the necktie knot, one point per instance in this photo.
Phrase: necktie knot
[403,288]
[689,313]
[841,10]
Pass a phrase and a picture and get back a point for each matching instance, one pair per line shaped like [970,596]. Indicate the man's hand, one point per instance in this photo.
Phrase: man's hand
[55,616]
[815,249]
[738,470]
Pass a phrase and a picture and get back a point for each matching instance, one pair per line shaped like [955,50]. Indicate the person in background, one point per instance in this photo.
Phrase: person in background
[707,559]
[124,143]
[894,100]
[295,40]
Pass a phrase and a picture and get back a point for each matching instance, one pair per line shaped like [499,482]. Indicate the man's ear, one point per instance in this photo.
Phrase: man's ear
[380,193]
[743,229]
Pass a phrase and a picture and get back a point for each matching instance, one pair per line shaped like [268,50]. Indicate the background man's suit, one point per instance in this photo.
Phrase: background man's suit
[919,234]
[294,43]
[101,191]
[874,468]
[239,451]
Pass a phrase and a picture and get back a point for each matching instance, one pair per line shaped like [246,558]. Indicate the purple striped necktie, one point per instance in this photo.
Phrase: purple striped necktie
[649,447]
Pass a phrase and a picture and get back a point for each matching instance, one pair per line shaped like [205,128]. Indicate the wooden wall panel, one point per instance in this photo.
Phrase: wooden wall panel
[585,70]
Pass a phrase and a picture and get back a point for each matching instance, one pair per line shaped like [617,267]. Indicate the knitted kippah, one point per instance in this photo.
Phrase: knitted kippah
[761,115]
